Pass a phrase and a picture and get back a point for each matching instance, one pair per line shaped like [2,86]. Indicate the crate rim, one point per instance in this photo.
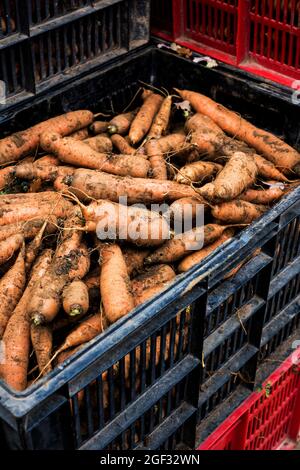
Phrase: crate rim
[20,403]
[248,402]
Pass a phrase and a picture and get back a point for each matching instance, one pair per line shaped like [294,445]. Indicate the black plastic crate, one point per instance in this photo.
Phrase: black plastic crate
[55,41]
[158,402]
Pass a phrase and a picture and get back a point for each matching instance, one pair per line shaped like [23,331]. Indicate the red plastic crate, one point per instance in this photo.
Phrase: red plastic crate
[260,36]
[268,419]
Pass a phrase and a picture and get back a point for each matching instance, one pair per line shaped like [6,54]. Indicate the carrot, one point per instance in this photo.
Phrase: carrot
[192,240]
[33,247]
[153,276]
[238,174]
[238,212]
[16,338]
[45,301]
[197,172]
[146,294]
[17,145]
[86,331]
[157,161]
[76,298]
[80,154]
[186,207]
[98,185]
[99,127]
[41,338]
[134,259]
[195,258]
[271,147]
[100,143]
[46,160]
[117,221]
[79,260]
[206,136]
[11,288]
[6,176]
[143,120]
[263,196]
[114,273]
[14,213]
[9,246]
[121,124]
[161,121]
[59,184]
[122,145]
[29,229]
[268,170]
[80,135]
[31,171]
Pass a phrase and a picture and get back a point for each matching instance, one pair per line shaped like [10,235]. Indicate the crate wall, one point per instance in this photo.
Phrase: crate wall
[259,36]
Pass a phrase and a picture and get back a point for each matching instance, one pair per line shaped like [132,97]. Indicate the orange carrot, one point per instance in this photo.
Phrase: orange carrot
[264,196]
[114,273]
[157,160]
[120,124]
[86,331]
[99,127]
[268,170]
[187,207]
[11,288]
[195,258]
[153,276]
[143,120]
[33,247]
[238,174]
[161,121]
[9,246]
[197,172]
[41,338]
[29,229]
[6,176]
[192,240]
[137,225]
[98,185]
[46,160]
[238,212]
[16,338]
[80,154]
[31,171]
[271,147]
[80,135]
[100,143]
[76,298]
[122,145]
[17,145]
[134,259]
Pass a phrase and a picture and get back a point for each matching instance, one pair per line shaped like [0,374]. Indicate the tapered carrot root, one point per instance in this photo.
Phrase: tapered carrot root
[268,170]
[156,275]
[161,121]
[195,258]
[86,331]
[122,145]
[6,176]
[41,339]
[17,145]
[29,229]
[238,212]
[134,259]
[9,246]
[263,196]
[192,240]
[121,124]
[80,154]
[197,172]
[31,171]
[148,293]
[99,127]
[16,338]
[98,185]
[119,301]
[100,143]
[33,248]
[238,174]
[143,120]
[157,160]
[271,147]
[11,288]
[137,225]
[76,298]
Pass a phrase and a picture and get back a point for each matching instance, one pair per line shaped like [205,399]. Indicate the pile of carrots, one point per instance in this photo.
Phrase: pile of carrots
[61,285]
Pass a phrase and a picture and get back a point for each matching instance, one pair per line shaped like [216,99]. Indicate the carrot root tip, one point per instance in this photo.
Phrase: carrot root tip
[75,310]
[37,319]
